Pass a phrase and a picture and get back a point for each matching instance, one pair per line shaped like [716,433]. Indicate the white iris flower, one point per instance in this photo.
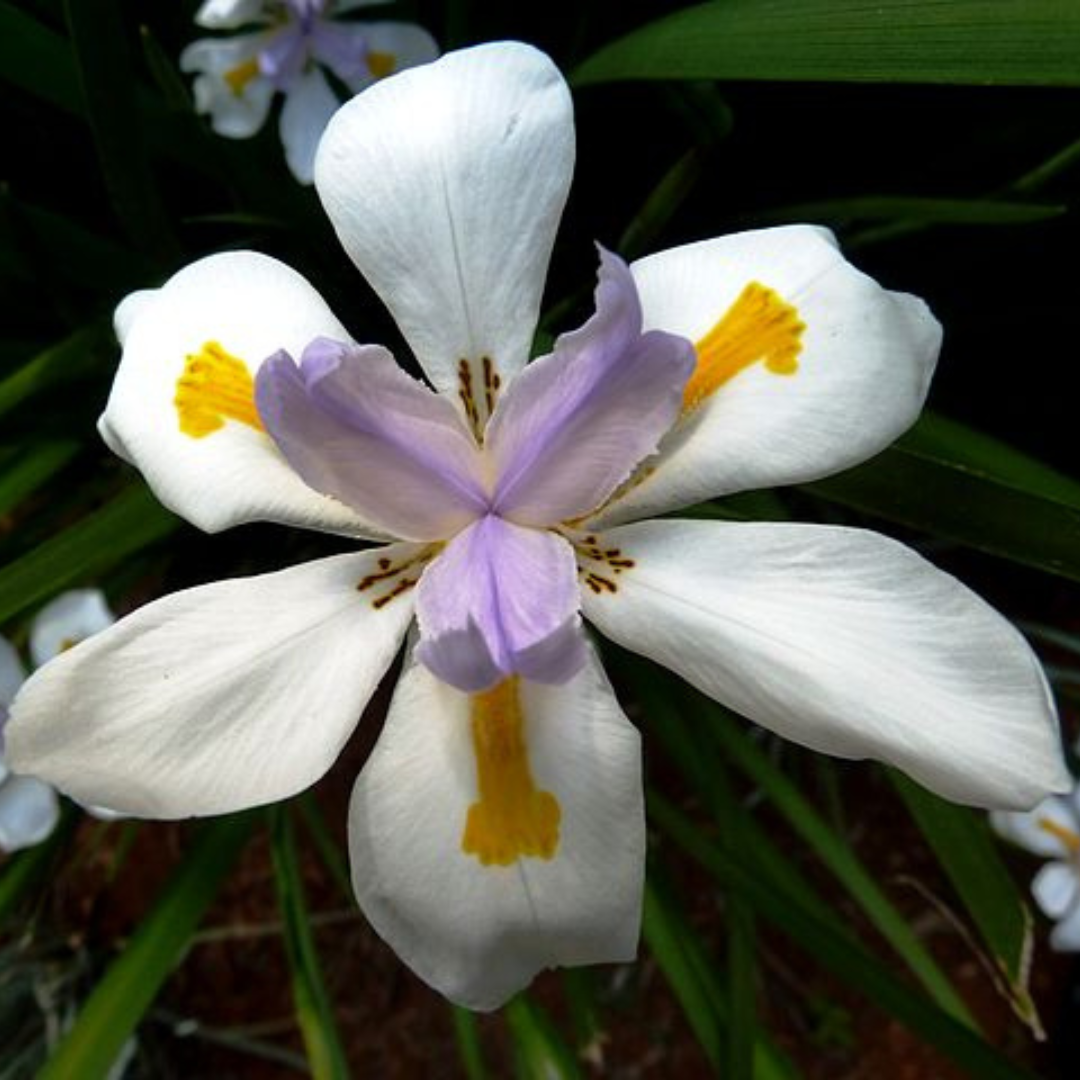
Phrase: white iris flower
[29,809]
[295,45]
[498,827]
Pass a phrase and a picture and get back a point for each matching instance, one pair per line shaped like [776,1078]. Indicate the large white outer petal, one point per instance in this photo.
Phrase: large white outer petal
[234,114]
[844,641]
[213,699]
[252,305]
[863,372]
[445,184]
[478,934]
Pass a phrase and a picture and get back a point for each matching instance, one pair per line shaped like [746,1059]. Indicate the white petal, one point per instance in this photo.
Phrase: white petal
[308,107]
[12,672]
[864,361]
[1065,937]
[445,184]
[29,811]
[479,933]
[229,14]
[65,621]
[1045,830]
[217,698]
[250,306]
[842,640]
[228,85]
[1056,888]
[398,45]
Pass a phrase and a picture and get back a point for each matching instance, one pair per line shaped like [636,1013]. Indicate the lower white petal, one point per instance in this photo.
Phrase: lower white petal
[1056,888]
[1065,937]
[842,640]
[29,811]
[1051,829]
[218,698]
[308,107]
[479,933]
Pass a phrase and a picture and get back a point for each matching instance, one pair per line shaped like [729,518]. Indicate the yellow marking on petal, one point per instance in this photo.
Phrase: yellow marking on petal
[1068,838]
[512,819]
[214,387]
[238,77]
[381,64]
[759,326]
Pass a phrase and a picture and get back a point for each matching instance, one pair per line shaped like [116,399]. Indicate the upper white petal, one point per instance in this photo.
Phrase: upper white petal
[445,183]
[865,364]
[210,700]
[845,641]
[229,14]
[66,620]
[476,933]
[252,306]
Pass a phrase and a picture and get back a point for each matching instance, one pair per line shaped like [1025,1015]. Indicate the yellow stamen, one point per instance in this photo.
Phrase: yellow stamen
[512,818]
[214,387]
[1070,841]
[238,77]
[759,326]
[381,64]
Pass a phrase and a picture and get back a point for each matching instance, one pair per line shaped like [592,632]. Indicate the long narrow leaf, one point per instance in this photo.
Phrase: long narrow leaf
[121,999]
[976,42]
[314,1013]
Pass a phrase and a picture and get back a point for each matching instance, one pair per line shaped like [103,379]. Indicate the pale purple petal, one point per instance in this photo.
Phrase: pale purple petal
[342,47]
[283,58]
[574,424]
[501,600]
[353,425]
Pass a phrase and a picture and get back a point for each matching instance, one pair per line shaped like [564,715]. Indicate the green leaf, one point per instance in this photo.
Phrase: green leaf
[37,60]
[837,951]
[99,37]
[976,42]
[69,358]
[835,852]
[541,1052]
[83,552]
[314,1012]
[24,471]
[962,503]
[963,845]
[467,1037]
[122,997]
[924,210]
[668,942]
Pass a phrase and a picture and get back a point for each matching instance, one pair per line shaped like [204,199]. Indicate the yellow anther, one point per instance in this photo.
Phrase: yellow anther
[512,818]
[238,77]
[1069,840]
[759,326]
[215,386]
[381,64]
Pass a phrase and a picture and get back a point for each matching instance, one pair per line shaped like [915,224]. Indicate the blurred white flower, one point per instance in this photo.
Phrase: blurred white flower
[29,808]
[291,47]
[1051,830]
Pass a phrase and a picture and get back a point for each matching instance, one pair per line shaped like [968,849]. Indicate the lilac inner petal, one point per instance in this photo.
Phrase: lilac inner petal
[574,424]
[355,426]
[501,600]
[342,47]
[283,58]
